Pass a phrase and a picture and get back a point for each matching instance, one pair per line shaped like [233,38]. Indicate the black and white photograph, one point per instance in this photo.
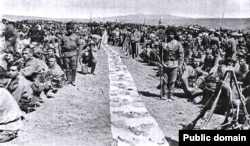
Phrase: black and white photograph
[123,72]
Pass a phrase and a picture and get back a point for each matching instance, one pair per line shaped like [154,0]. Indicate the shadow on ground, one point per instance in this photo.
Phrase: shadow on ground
[177,92]
[172,142]
[148,94]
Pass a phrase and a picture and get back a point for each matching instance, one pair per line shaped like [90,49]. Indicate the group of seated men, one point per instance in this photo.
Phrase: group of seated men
[208,53]
[32,64]
[29,69]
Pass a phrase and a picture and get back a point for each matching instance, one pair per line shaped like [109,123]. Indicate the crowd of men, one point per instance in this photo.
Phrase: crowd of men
[42,56]
[210,65]
[192,52]
[193,58]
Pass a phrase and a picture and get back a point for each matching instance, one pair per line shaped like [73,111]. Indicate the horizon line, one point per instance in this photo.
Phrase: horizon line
[189,17]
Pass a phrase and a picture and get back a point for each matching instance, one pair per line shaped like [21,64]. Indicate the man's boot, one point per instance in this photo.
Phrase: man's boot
[68,76]
[93,65]
[171,96]
[164,88]
[50,94]
[73,79]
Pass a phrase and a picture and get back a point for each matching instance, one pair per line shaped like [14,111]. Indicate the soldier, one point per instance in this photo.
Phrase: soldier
[34,70]
[211,59]
[11,36]
[10,117]
[70,49]
[193,78]
[51,52]
[241,68]
[137,36]
[32,64]
[33,33]
[135,44]
[56,77]
[87,57]
[172,60]
[211,84]
[230,48]
[19,87]
[54,68]
[116,34]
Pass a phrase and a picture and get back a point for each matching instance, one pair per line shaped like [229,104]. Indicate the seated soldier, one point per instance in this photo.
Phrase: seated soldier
[51,52]
[4,80]
[246,85]
[153,53]
[11,58]
[211,59]
[146,52]
[20,88]
[97,40]
[87,57]
[3,63]
[218,75]
[34,70]
[242,69]
[10,116]
[32,64]
[228,95]
[56,77]
[37,51]
[193,78]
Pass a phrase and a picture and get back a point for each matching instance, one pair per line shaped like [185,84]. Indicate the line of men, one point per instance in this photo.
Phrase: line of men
[40,58]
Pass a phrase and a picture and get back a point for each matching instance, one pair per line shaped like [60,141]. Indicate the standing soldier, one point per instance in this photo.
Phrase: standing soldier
[137,36]
[70,48]
[231,46]
[172,58]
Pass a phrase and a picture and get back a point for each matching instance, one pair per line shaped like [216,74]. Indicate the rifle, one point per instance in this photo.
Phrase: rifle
[180,71]
[161,73]
[207,106]
[232,123]
[161,81]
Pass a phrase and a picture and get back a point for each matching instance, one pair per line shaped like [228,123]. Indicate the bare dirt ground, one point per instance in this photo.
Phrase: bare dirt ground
[171,116]
[76,116]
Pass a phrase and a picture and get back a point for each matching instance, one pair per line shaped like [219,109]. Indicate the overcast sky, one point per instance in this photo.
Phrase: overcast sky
[105,8]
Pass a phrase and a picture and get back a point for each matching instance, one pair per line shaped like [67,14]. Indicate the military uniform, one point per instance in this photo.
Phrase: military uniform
[33,65]
[21,90]
[241,71]
[58,60]
[34,70]
[173,58]
[231,48]
[135,43]
[70,46]
[11,37]
[193,78]
[10,116]
[20,87]
[57,76]
[88,58]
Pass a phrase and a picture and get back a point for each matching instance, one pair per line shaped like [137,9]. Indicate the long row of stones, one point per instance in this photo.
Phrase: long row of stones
[131,123]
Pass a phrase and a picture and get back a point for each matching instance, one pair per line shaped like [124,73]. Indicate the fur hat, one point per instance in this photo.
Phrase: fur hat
[171,29]
[70,25]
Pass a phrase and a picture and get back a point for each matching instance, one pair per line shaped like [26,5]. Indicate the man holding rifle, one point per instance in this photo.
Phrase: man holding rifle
[172,59]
